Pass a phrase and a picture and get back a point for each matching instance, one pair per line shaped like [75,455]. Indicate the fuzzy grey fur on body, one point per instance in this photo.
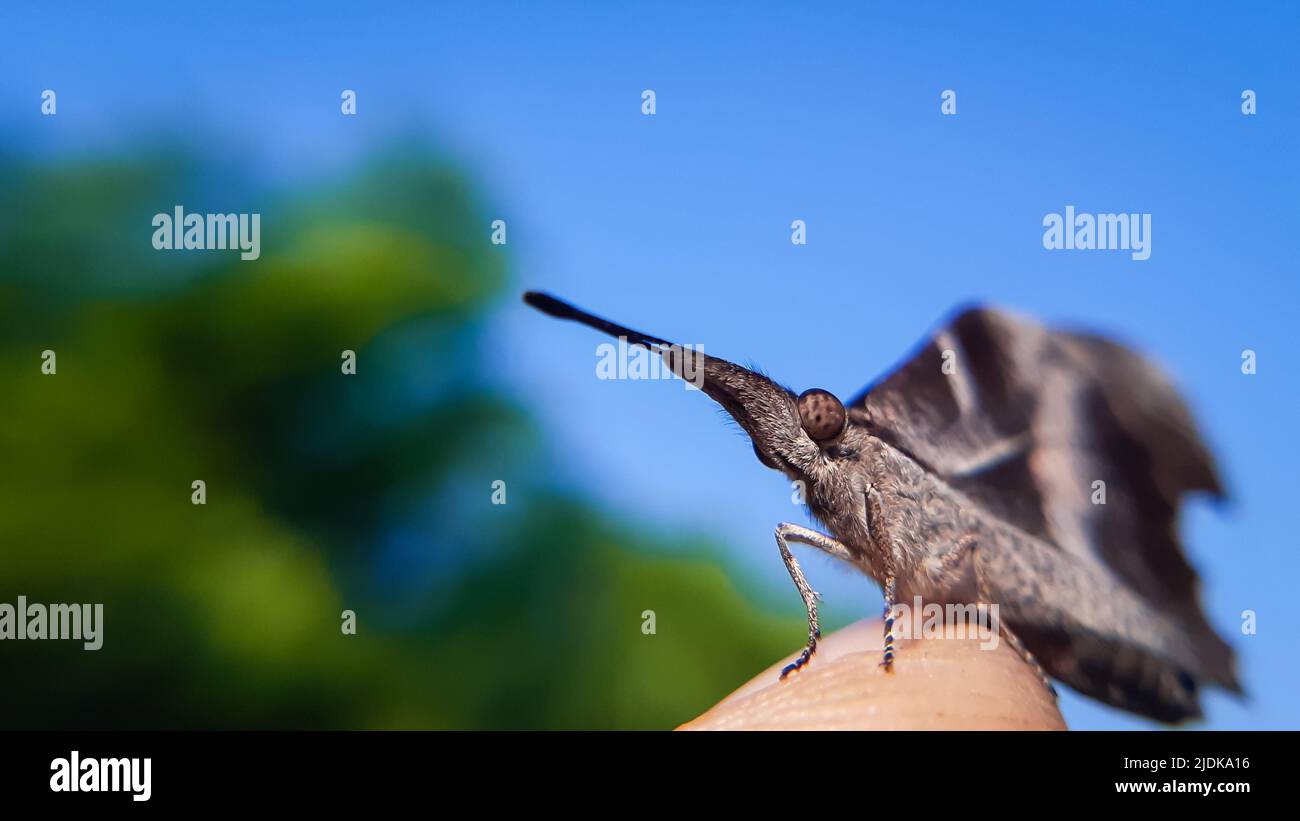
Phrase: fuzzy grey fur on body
[967,476]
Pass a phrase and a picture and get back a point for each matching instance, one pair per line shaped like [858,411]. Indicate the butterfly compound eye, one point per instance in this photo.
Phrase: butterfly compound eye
[821,414]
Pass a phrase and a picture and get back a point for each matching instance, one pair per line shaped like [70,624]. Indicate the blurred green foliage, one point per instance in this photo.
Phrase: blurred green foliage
[325,492]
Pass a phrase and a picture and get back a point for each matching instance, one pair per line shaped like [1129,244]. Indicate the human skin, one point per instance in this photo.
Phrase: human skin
[935,684]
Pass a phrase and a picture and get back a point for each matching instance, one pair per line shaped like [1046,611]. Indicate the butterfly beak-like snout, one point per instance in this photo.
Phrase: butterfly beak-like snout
[763,408]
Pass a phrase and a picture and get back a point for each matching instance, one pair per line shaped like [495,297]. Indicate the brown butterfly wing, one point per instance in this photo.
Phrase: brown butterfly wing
[1024,421]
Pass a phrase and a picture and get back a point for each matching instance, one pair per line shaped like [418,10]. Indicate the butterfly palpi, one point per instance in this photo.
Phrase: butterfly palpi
[970,475]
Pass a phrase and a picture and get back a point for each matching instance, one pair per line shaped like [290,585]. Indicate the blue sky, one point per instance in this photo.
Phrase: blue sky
[679,224]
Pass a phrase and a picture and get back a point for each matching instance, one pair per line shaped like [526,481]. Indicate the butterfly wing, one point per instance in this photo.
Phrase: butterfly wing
[1084,444]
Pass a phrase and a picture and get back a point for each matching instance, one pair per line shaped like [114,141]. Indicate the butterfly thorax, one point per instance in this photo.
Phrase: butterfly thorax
[916,521]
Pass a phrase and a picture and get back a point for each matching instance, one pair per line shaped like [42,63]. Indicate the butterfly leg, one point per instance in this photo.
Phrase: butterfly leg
[1007,633]
[890,586]
[786,532]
